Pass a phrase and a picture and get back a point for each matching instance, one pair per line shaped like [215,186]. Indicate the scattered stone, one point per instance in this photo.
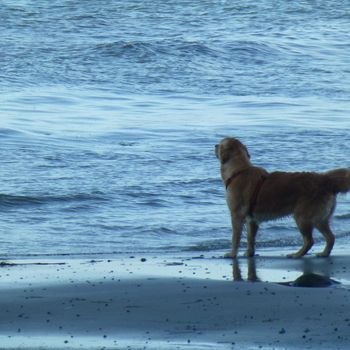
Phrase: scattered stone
[174,264]
[310,280]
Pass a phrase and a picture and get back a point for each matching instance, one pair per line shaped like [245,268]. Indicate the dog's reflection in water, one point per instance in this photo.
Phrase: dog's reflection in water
[312,275]
[251,275]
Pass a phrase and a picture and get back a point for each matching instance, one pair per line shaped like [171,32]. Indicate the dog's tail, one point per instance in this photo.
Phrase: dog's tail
[339,180]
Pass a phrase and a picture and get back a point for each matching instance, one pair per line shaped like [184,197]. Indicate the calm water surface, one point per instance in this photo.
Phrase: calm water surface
[110,111]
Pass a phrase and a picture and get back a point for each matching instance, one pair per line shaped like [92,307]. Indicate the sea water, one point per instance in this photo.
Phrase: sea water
[110,111]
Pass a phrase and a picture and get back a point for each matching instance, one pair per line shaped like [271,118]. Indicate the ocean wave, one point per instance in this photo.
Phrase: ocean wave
[18,201]
[7,132]
[198,181]
[342,216]
[209,245]
[225,244]
[124,49]
[155,203]
[182,49]
[158,230]
[252,50]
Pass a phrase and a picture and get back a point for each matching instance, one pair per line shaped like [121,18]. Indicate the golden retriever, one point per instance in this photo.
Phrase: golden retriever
[254,195]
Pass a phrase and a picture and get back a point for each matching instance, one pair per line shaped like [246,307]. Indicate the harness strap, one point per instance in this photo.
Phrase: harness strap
[233,176]
[256,194]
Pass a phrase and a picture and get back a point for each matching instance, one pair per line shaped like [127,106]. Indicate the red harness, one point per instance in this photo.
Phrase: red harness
[233,176]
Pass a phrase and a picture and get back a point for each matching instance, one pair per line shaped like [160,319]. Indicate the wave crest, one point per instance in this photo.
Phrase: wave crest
[7,200]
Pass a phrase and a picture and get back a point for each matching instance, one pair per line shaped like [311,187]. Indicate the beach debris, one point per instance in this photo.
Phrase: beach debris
[4,263]
[174,264]
[311,280]
[92,261]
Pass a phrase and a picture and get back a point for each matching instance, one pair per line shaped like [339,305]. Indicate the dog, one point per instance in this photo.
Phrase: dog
[253,195]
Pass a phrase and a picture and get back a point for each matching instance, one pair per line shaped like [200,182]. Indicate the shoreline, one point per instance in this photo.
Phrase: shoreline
[174,302]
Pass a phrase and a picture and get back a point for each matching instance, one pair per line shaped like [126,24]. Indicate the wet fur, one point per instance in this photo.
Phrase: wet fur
[309,197]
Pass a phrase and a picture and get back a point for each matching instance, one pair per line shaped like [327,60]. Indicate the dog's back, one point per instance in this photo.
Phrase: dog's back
[286,193]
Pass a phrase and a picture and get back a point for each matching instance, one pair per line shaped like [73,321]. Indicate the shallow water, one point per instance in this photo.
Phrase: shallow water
[110,112]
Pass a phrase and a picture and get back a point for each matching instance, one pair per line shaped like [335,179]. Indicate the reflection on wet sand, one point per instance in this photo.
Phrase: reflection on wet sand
[237,273]
[314,273]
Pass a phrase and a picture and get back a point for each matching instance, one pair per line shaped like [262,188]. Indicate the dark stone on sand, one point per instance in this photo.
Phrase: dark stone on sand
[174,264]
[282,331]
[311,280]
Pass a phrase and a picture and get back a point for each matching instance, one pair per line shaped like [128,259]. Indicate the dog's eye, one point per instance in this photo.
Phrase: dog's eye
[224,156]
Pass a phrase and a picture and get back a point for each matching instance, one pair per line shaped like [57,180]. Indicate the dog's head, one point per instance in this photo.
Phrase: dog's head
[230,148]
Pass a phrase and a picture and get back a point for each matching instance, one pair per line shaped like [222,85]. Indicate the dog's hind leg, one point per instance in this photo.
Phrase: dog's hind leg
[306,230]
[328,235]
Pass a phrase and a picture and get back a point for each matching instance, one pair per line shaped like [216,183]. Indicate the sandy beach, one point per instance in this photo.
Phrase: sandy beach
[174,302]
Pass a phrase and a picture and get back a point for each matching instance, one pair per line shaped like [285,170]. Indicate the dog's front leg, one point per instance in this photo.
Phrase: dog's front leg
[252,231]
[237,227]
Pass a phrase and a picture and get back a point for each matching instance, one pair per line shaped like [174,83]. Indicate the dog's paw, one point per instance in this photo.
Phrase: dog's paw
[230,255]
[249,253]
[294,256]
[322,255]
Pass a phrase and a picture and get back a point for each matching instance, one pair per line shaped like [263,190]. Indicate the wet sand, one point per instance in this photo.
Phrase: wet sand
[174,302]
